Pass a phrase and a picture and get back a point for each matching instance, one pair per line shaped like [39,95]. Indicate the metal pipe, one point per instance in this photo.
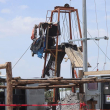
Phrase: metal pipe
[85,67]
[96,38]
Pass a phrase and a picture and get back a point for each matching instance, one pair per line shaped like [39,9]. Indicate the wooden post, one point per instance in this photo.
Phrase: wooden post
[92,103]
[73,88]
[81,98]
[80,75]
[81,92]
[3,66]
[17,108]
[9,98]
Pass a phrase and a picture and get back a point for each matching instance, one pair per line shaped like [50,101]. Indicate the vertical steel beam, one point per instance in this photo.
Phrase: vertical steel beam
[85,67]
[57,44]
[70,25]
[73,88]
[51,16]
[54,91]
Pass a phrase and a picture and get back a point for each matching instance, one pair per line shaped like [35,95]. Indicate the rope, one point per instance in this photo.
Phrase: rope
[21,57]
[98,33]
[107,35]
[99,46]
[94,68]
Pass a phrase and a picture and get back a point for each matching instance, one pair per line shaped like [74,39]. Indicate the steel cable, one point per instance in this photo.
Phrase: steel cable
[21,57]
[107,34]
[98,33]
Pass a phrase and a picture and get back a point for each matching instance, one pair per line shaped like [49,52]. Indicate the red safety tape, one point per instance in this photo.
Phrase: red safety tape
[83,105]
[14,105]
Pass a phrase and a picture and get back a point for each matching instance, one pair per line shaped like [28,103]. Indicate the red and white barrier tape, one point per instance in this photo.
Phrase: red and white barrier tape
[36,104]
[20,105]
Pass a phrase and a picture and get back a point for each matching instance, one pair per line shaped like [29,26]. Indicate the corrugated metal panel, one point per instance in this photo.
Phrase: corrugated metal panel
[76,57]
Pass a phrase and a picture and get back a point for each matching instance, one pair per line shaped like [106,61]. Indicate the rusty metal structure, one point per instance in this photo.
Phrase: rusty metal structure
[51,31]
[69,10]
[57,53]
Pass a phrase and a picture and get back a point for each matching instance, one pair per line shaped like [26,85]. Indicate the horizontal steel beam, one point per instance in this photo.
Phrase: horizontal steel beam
[96,38]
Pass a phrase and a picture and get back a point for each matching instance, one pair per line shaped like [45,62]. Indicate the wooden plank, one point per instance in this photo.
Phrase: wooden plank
[80,74]
[76,57]
[44,84]
[97,72]
[3,66]
[75,60]
[56,78]
[58,84]
[54,82]
[41,87]
[16,78]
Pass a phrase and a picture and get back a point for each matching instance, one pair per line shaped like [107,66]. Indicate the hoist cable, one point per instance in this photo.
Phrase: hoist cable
[94,68]
[21,57]
[98,33]
[97,44]
[107,33]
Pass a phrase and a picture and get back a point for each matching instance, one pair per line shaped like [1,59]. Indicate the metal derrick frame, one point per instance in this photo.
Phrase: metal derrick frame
[69,10]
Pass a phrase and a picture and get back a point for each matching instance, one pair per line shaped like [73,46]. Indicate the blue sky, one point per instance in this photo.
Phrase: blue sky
[17,18]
